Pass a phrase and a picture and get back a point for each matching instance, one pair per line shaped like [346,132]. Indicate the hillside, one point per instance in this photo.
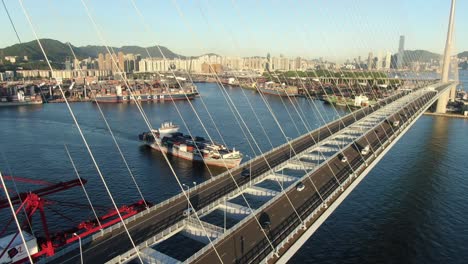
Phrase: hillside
[93,51]
[463,54]
[58,51]
[420,55]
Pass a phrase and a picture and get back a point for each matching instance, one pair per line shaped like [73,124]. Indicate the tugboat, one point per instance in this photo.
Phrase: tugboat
[169,140]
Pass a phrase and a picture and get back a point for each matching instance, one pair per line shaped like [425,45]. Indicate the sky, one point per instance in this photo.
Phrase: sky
[332,29]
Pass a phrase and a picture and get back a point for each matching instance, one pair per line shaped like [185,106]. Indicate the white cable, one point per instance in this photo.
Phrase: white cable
[271,111]
[80,131]
[113,137]
[286,137]
[17,190]
[274,117]
[234,179]
[16,219]
[229,98]
[145,119]
[375,95]
[82,185]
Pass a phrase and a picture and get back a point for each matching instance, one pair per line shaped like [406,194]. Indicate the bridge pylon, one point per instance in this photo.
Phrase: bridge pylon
[441,105]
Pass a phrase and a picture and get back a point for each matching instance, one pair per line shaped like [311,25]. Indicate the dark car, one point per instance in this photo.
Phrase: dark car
[265,221]
[245,173]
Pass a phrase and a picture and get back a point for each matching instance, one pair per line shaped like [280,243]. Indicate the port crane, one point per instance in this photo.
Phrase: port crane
[12,247]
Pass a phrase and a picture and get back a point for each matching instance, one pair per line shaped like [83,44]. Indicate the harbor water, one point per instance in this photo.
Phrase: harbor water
[412,208]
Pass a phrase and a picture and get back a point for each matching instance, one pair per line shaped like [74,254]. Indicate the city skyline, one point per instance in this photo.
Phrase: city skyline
[376,28]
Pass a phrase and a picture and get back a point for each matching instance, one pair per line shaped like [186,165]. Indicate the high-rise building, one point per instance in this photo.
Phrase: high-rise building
[268,62]
[401,52]
[388,60]
[370,61]
[101,63]
[297,63]
[137,62]
[379,63]
[121,61]
[68,64]
[76,64]
[108,63]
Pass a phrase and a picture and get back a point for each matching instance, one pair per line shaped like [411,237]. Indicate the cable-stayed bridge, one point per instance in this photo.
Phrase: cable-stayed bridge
[333,160]
[265,209]
[271,213]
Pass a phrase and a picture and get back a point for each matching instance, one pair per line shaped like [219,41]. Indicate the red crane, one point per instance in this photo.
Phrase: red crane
[33,201]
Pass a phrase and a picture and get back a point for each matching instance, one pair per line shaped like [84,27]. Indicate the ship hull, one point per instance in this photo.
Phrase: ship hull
[144,98]
[20,103]
[225,163]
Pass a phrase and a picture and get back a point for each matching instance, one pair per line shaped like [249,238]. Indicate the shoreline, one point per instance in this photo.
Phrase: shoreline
[450,115]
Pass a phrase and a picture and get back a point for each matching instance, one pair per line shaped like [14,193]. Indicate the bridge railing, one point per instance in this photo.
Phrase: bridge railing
[337,191]
[273,200]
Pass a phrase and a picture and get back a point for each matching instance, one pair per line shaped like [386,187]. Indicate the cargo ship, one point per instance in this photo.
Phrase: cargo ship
[277,89]
[169,95]
[20,99]
[169,140]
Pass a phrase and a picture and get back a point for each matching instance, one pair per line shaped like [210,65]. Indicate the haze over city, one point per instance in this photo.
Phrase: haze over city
[334,30]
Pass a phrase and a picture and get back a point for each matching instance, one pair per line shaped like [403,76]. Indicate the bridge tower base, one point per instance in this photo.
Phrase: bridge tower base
[453,93]
[444,98]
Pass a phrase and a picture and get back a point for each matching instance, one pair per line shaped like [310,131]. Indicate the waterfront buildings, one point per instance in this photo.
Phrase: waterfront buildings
[210,63]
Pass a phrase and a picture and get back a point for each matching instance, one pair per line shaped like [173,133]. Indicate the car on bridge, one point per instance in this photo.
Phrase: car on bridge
[265,221]
[188,211]
[343,158]
[245,173]
[300,186]
[365,150]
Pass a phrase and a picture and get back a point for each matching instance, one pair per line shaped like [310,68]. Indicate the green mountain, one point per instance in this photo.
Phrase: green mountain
[463,54]
[58,51]
[425,56]
[93,51]
[420,55]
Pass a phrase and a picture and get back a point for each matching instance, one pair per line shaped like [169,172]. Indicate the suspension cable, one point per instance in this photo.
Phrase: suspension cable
[20,231]
[113,137]
[82,185]
[246,201]
[81,132]
[145,118]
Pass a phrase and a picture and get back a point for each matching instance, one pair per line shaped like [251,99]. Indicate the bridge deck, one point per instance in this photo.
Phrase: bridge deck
[168,214]
[247,244]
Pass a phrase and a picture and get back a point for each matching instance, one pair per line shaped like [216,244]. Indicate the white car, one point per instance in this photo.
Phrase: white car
[300,186]
[343,158]
[365,150]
